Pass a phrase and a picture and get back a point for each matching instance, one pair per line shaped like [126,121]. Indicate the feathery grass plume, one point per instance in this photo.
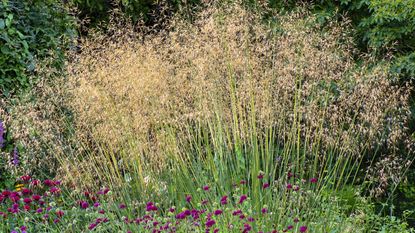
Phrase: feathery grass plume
[226,86]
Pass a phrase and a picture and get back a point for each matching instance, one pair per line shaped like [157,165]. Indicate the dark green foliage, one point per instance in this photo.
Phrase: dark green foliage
[31,31]
[405,198]
[97,12]
[382,27]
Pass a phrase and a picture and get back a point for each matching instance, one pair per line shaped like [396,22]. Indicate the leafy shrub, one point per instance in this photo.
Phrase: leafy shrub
[31,32]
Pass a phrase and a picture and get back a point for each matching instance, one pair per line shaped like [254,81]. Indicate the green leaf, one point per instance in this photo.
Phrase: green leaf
[9,20]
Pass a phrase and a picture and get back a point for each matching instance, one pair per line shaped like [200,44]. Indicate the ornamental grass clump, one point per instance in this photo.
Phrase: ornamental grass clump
[228,94]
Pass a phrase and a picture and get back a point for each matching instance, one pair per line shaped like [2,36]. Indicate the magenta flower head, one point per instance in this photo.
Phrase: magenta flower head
[303,229]
[188,198]
[55,190]
[187,212]
[181,215]
[92,226]
[289,186]
[242,199]
[242,182]
[247,228]
[216,230]
[261,175]
[313,180]
[266,185]
[236,212]
[25,178]
[48,183]
[122,206]
[35,182]
[27,200]
[59,213]
[210,223]
[218,212]
[264,210]
[224,200]
[84,204]
[26,191]
[151,207]
[206,188]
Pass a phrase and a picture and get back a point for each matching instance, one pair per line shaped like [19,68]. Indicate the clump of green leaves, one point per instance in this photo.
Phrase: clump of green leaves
[30,32]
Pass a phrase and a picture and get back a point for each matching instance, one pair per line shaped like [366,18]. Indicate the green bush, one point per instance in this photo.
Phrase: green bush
[30,32]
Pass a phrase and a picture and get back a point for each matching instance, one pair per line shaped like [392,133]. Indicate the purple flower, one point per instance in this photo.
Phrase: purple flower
[266,185]
[206,188]
[48,183]
[224,200]
[195,214]
[187,212]
[84,204]
[188,198]
[264,210]
[92,226]
[313,180]
[122,206]
[15,160]
[210,223]
[303,229]
[236,212]
[59,213]
[247,228]
[218,212]
[181,215]
[242,199]
[2,140]
[151,207]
